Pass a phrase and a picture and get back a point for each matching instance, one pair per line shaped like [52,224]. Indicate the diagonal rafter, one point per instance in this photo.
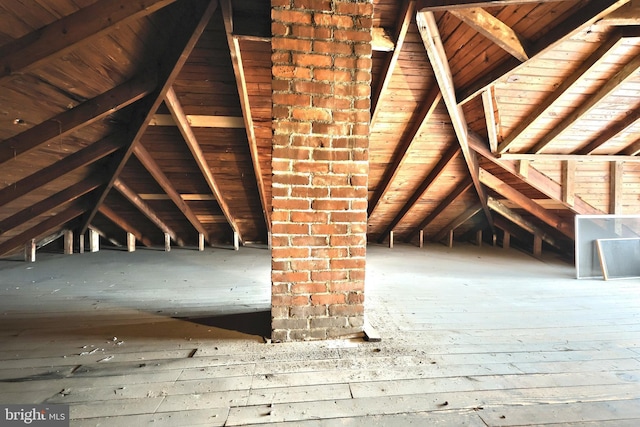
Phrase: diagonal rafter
[495,30]
[71,120]
[146,210]
[402,27]
[631,150]
[112,216]
[447,5]
[628,71]
[71,32]
[462,188]
[447,158]
[458,221]
[190,24]
[611,132]
[578,21]
[435,50]
[172,102]
[241,82]
[154,169]
[421,118]
[88,155]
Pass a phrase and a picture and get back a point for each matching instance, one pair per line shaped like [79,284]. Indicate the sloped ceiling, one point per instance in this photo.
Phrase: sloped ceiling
[154,117]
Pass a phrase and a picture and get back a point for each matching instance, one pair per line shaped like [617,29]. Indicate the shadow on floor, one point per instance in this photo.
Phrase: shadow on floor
[254,323]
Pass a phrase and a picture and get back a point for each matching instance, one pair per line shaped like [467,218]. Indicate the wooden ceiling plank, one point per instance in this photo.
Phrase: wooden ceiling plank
[71,120]
[154,170]
[627,15]
[54,222]
[146,210]
[523,223]
[463,187]
[578,157]
[589,64]
[241,82]
[421,118]
[65,196]
[491,119]
[505,190]
[446,159]
[122,223]
[628,71]
[578,21]
[435,50]
[449,5]
[534,178]
[495,30]
[189,27]
[72,162]
[610,132]
[458,221]
[402,27]
[71,32]
[172,102]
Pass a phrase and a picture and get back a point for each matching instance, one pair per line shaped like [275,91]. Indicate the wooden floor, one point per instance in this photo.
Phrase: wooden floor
[470,337]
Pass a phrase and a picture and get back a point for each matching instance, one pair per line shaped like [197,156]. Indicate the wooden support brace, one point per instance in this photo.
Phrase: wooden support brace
[537,245]
[236,241]
[494,240]
[569,182]
[506,240]
[167,242]
[94,240]
[391,239]
[421,239]
[131,242]
[200,242]
[479,238]
[616,187]
[68,242]
[81,243]
[450,240]
[30,251]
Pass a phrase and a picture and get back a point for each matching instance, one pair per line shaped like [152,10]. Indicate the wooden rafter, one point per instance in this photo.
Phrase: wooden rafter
[419,120]
[446,159]
[241,82]
[172,102]
[611,132]
[190,25]
[65,196]
[495,30]
[125,225]
[534,178]
[447,5]
[458,221]
[631,150]
[577,157]
[402,27]
[146,210]
[197,121]
[505,190]
[71,120]
[628,71]
[627,15]
[435,50]
[462,188]
[154,170]
[578,21]
[491,119]
[74,161]
[592,61]
[42,228]
[71,32]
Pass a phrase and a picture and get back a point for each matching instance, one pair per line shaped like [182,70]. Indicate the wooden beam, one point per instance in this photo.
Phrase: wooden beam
[627,15]
[68,242]
[200,121]
[576,157]
[506,239]
[526,203]
[167,242]
[381,41]
[146,210]
[537,246]
[576,22]
[596,58]
[448,5]
[522,223]
[569,182]
[465,185]
[71,32]
[70,120]
[535,179]
[458,221]
[495,30]
[491,119]
[131,242]
[390,239]
[523,168]
[450,238]
[628,71]
[402,27]
[419,120]
[67,195]
[631,150]
[447,158]
[94,240]
[616,187]
[611,132]
[437,56]
[72,162]
[172,102]
[45,226]
[241,82]
[125,225]
[30,251]
[201,242]
[154,170]
[191,20]
[421,239]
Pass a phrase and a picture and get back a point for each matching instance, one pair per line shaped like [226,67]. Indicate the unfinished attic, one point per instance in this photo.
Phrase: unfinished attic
[306,163]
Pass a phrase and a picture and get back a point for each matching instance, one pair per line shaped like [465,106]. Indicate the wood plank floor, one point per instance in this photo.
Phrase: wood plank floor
[477,337]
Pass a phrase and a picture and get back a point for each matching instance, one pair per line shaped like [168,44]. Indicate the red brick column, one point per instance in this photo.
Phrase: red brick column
[321,98]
